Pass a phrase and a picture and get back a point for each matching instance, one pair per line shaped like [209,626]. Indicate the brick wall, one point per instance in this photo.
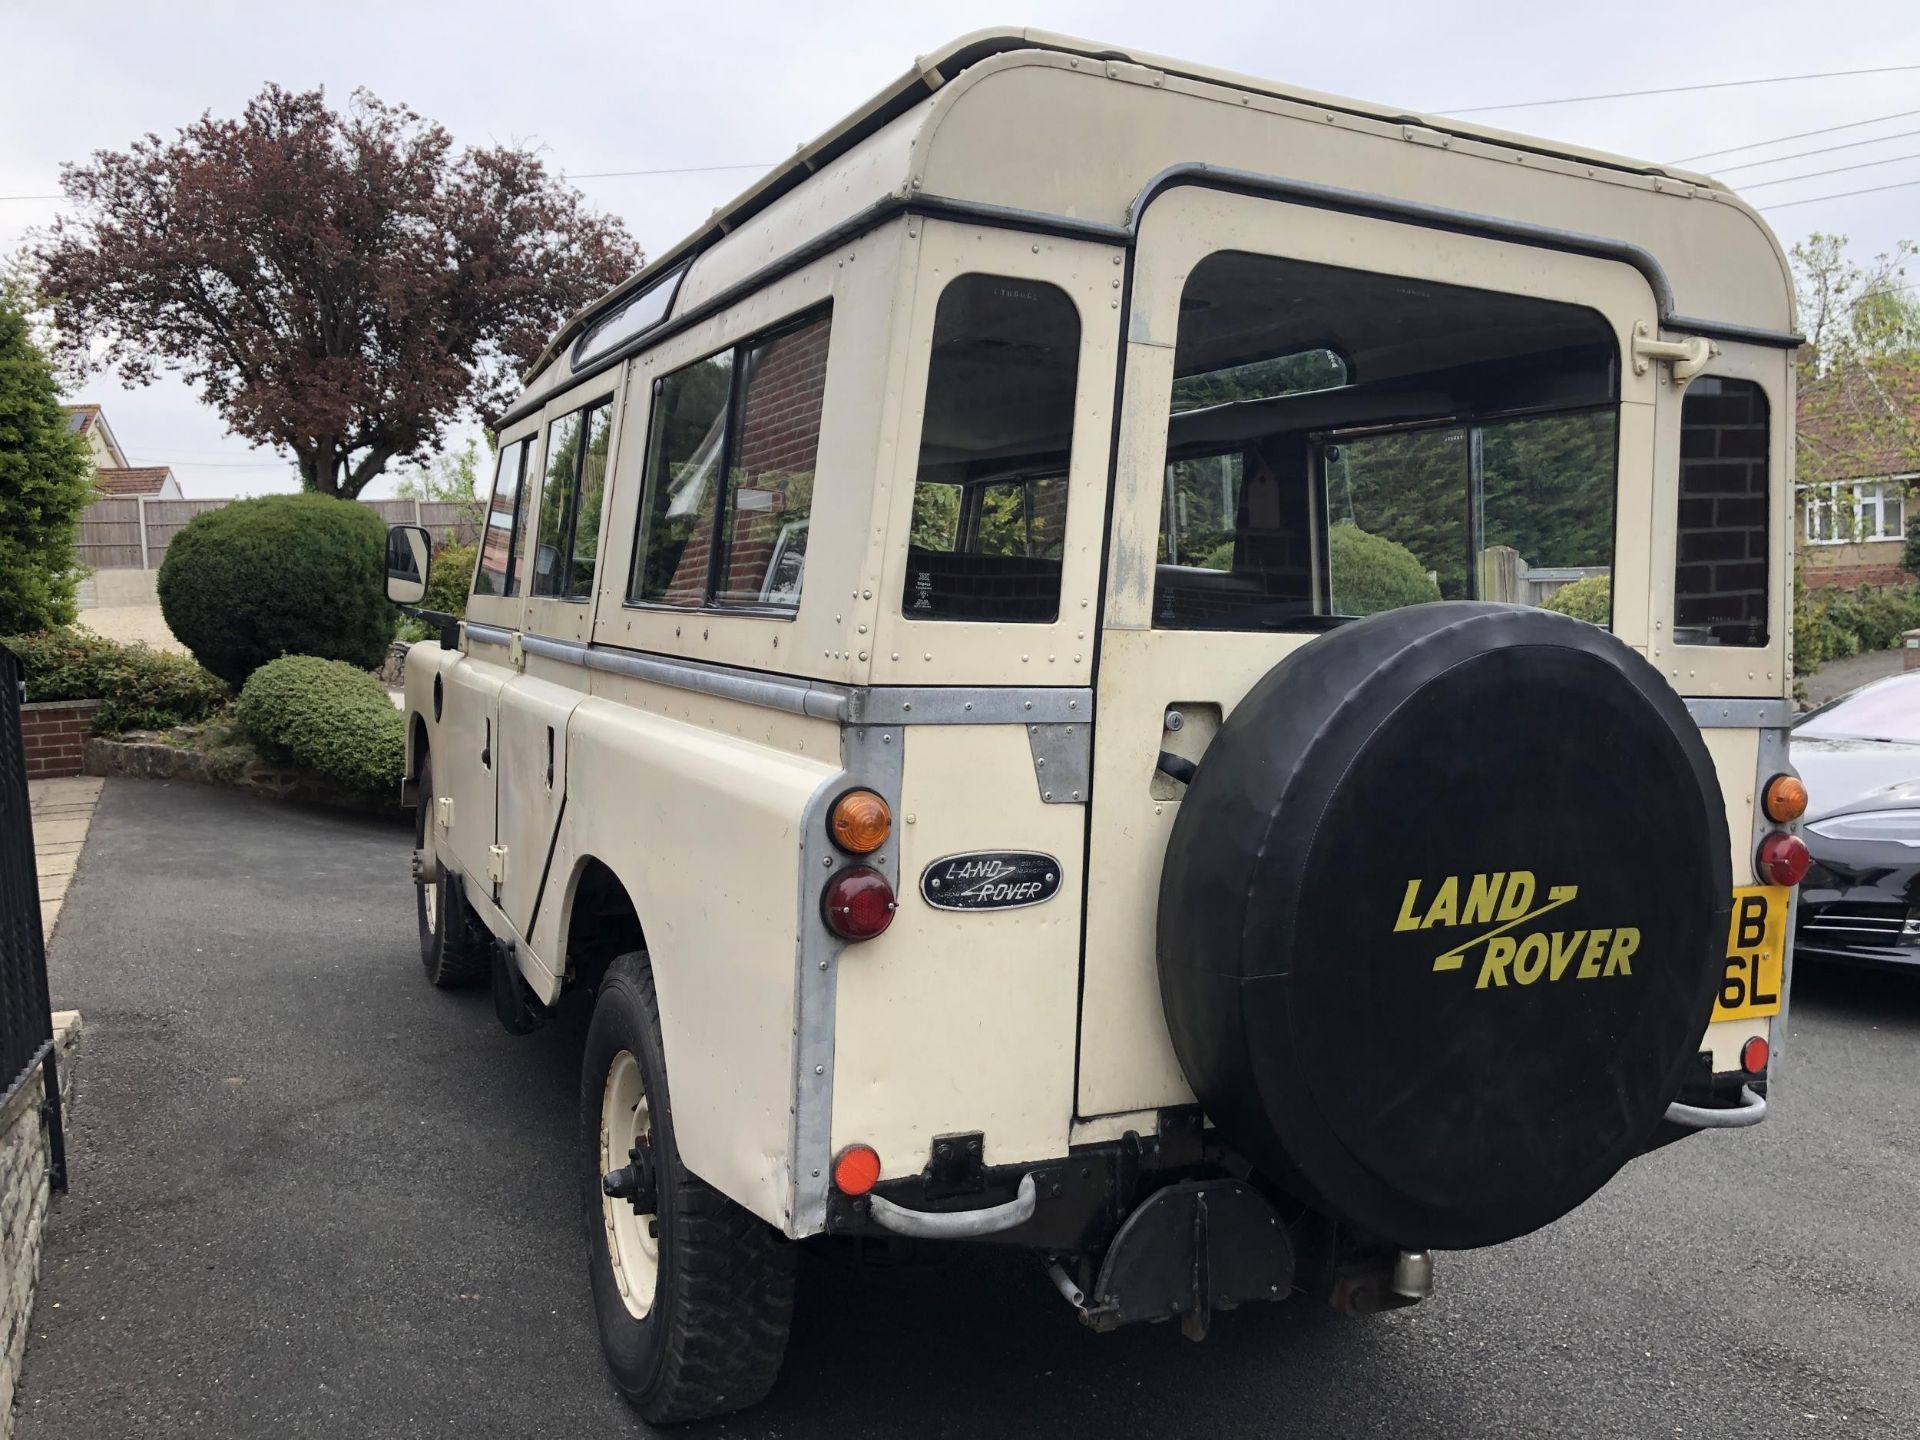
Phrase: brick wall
[25,1193]
[1720,584]
[54,733]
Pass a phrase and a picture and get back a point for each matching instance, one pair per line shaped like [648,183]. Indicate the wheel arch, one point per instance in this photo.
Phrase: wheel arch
[599,921]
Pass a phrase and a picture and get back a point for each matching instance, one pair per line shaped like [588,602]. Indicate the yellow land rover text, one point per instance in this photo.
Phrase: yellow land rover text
[1503,901]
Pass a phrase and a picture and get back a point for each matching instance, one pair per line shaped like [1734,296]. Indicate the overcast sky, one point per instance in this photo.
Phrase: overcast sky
[732,82]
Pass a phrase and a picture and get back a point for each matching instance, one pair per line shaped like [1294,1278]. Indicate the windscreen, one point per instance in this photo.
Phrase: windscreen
[1342,442]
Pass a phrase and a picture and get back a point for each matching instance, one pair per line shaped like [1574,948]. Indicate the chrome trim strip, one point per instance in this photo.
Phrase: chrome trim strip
[1713,714]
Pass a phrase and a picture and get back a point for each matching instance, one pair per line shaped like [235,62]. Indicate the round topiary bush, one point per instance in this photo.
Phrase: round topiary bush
[331,718]
[1590,600]
[281,575]
[1372,573]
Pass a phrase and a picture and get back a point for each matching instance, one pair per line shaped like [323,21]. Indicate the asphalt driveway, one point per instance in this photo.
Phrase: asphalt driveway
[314,1197]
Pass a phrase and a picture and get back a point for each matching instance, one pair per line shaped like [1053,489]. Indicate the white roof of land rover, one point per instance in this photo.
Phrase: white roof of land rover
[1038,124]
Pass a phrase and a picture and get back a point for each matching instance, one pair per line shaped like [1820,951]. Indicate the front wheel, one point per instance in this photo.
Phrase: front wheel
[693,1294]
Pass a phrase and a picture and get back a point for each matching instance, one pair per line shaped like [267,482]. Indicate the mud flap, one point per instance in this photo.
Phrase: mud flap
[1189,1250]
[518,1008]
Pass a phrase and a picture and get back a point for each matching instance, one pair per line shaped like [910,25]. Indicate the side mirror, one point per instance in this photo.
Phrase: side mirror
[409,553]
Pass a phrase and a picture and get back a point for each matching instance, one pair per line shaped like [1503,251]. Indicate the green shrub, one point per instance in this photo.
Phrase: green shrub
[1590,600]
[449,577]
[1831,624]
[139,688]
[281,575]
[1371,573]
[329,717]
[46,480]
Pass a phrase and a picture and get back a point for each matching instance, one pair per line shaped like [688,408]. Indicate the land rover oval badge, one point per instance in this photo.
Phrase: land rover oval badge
[990,880]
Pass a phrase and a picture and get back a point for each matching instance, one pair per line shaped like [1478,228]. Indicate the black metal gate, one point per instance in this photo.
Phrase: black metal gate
[26,1018]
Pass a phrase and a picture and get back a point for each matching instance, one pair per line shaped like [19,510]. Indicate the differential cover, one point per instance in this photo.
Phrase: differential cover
[1442,919]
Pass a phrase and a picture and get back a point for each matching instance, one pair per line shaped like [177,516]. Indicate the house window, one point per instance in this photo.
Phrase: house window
[1852,514]
[730,470]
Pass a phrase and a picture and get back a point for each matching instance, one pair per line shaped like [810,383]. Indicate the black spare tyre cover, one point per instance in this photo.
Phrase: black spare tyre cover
[1442,918]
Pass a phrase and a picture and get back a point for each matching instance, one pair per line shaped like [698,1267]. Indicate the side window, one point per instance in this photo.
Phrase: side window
[990,493]
[782,384]
[1341,443]
[505,512]
[730,469]
[569,535]
[1720,571]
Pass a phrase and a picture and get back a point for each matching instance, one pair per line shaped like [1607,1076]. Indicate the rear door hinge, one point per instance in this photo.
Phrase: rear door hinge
[1688,357]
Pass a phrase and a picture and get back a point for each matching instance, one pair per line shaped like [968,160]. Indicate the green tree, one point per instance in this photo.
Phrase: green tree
[46,480]
[452,479]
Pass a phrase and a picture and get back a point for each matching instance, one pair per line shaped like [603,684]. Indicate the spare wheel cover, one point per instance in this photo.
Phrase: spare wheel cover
[1392,805]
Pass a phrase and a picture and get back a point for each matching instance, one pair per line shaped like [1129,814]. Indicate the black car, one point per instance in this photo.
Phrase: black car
[1860,758]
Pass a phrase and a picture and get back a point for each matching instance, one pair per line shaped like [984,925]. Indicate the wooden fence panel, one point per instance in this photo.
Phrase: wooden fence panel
[165,519]
[110,535]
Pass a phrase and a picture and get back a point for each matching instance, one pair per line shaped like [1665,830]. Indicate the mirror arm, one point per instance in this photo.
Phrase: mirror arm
[448,625]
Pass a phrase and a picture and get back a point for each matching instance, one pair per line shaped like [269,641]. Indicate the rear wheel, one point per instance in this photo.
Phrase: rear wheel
[453,945]
[693,1294]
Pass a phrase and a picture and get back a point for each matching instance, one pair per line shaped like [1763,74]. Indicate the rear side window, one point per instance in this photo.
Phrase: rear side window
[506,517]
[570,503]
[1341,443]
[730,469]
[990,493]
[1720,570]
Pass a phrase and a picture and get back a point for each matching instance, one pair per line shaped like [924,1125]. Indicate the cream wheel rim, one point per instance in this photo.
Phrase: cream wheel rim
[430,897]
[632,1245]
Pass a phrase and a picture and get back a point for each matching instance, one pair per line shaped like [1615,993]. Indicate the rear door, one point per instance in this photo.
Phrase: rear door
[1327,415]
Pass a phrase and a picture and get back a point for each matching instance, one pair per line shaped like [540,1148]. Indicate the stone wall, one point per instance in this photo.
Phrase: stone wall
[25,1193]
[54,733]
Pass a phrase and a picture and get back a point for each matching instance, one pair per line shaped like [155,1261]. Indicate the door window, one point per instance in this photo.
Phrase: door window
[497,573]
[1342,442]
[1721,566]
[570,502]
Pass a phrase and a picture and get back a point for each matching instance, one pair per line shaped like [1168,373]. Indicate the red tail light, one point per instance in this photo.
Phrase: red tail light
[1784,859]
[1754,1055]
[858,903]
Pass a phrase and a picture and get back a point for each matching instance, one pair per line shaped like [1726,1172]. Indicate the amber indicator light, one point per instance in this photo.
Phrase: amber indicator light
[1785,799]
[860,822]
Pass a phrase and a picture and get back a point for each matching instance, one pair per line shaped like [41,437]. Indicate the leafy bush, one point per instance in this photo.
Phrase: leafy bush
[1590,600]
[140,688]
[46,480]
[1371,573]
[449,577]
[1831,624]
[329,717]
[284,574]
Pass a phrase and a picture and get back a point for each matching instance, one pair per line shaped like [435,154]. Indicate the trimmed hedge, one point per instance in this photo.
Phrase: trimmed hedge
[449,578]
[1831,624]
[330,717]
[280,575]
[1590,600]
[1372,573]
[138,687]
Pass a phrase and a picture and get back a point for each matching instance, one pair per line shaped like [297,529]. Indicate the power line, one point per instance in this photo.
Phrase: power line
[1822,150]
[1842,195]
[1802,135]
[1835,170]
[1677,90]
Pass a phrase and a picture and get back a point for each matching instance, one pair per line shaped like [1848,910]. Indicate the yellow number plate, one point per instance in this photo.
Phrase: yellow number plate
[1756,954]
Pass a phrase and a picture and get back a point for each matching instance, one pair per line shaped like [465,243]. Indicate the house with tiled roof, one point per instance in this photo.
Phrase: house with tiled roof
[113,477]
[1856,473]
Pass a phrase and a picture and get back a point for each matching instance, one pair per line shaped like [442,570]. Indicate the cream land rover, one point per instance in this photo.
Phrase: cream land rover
[1018,672]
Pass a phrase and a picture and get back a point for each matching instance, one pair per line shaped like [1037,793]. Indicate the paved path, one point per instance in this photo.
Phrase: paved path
[62,810]
[1836,677]
[130,623]
[313,1197]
